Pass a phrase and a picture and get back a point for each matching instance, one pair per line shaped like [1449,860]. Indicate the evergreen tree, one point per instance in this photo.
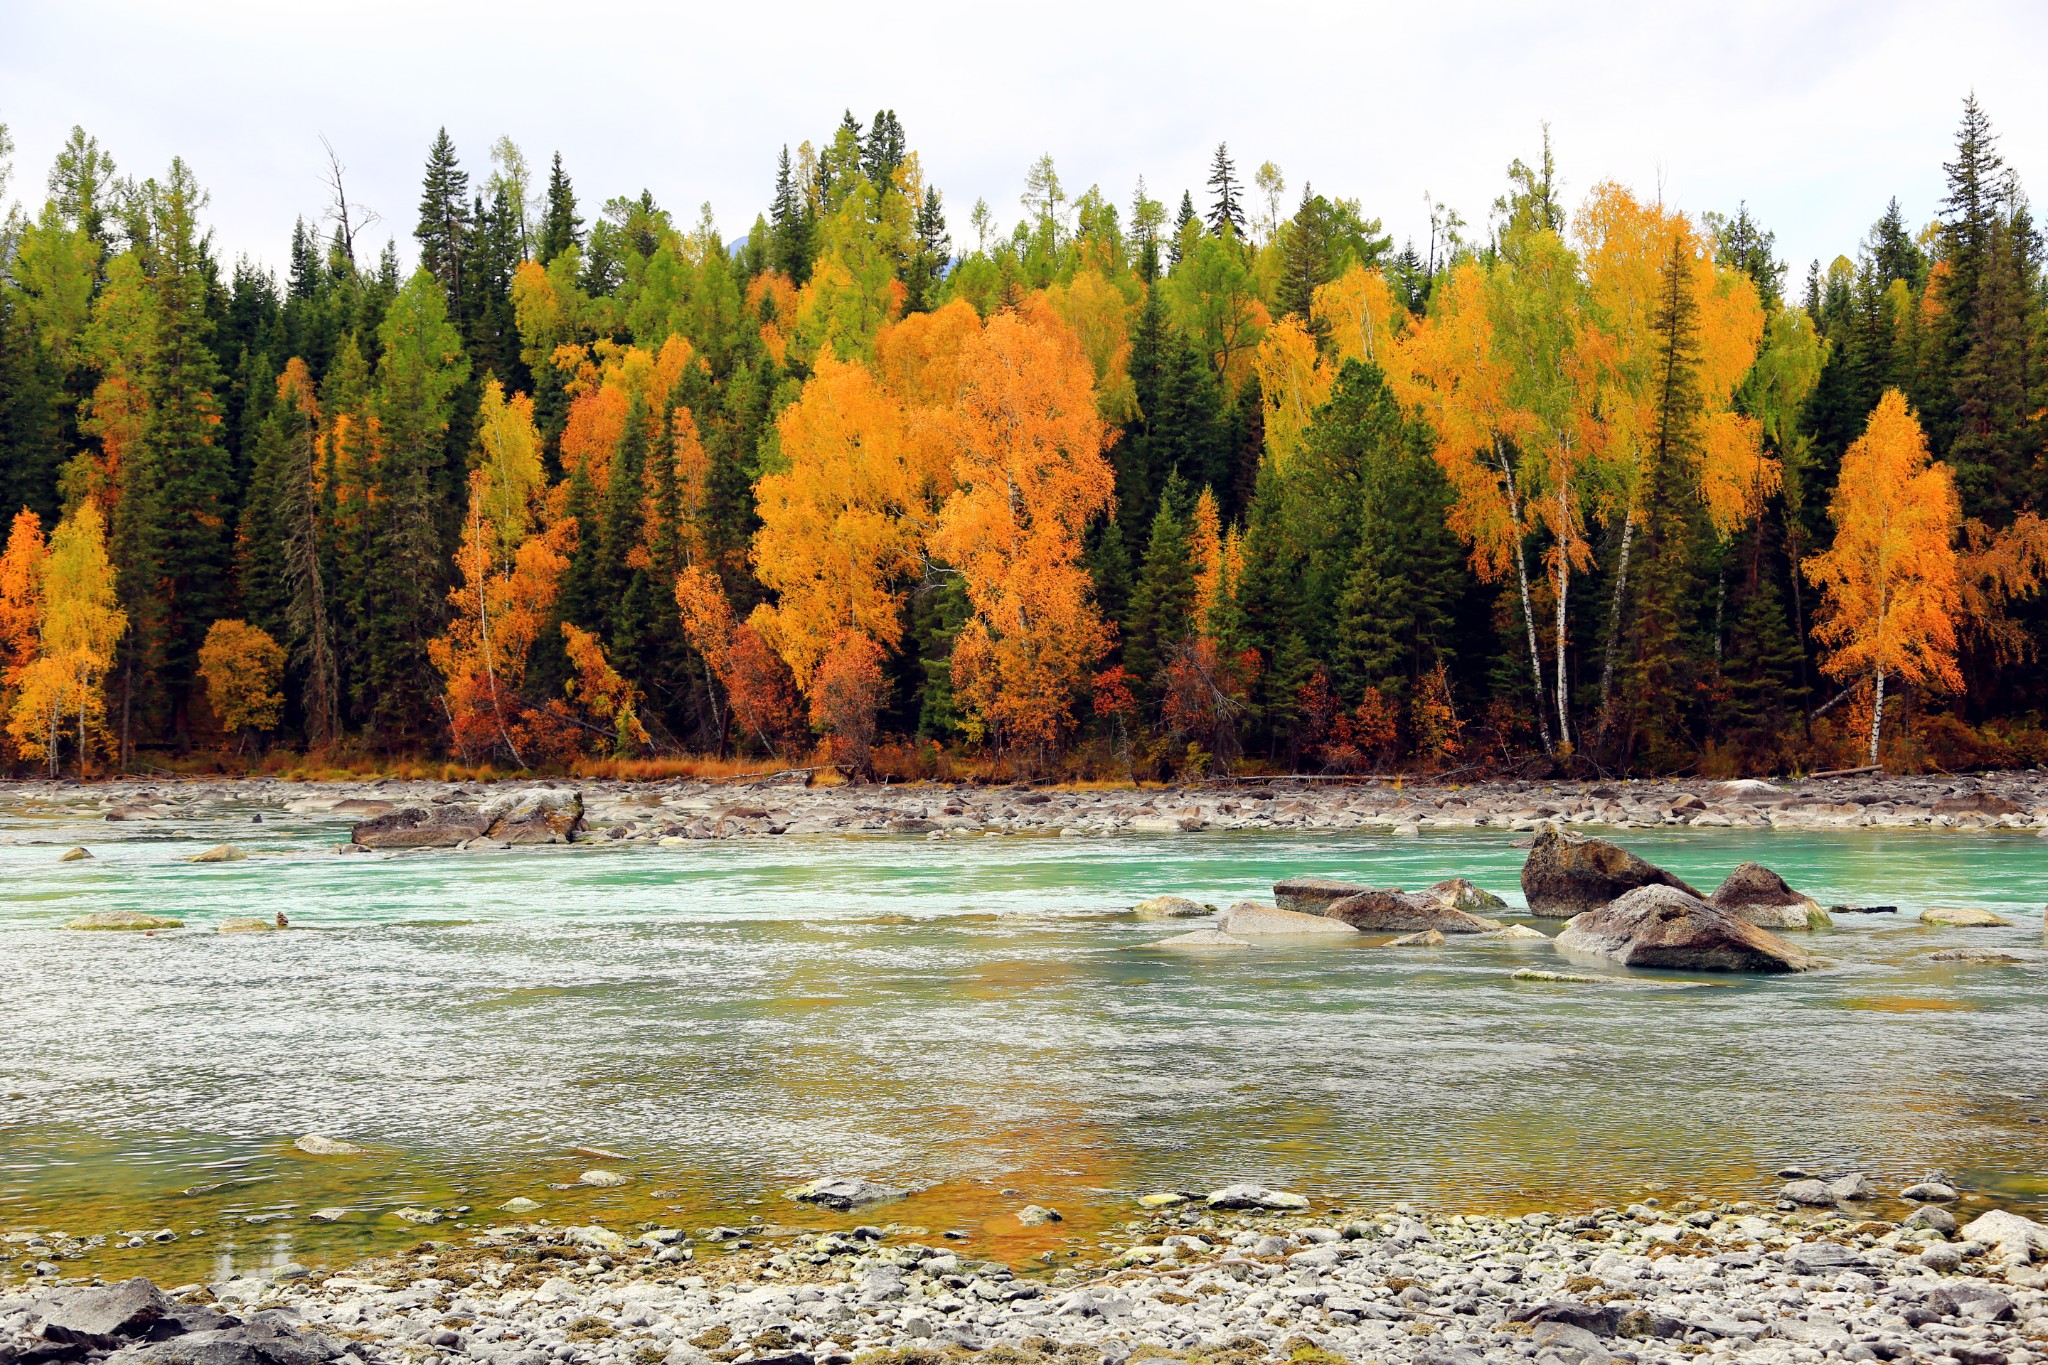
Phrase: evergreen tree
[884,150]
[933,254]
[1185,226]
[1163,601]
[1226,211]
[1663,672]
[444,223]
[1307,257]
[1109,566]
[791,230]
[1740,243]
[420,370]
[560,228]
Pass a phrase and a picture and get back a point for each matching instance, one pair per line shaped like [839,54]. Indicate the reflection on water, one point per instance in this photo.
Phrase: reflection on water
[966,1016]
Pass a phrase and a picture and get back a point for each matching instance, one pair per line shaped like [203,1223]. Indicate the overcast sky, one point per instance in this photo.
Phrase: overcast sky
[1813,111]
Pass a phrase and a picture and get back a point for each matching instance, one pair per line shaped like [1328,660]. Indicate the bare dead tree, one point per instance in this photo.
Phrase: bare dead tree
[348,219]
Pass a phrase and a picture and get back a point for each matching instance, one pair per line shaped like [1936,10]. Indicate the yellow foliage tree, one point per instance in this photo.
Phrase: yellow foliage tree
[81,624]
[1362,316]
[1293,382]
[1889,582]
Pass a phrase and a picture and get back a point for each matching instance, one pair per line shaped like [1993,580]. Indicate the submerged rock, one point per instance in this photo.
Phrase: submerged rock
[219,853]
[843,1193]
[519,1204]
[1255,1197]
[601,1179]
[1963,917]
[1170,907]
[1037,1215]
[1428,938]
[1762,897]
[1200,938]
[74,855]
[1397,912]
[1976,957]
[1568,874]
[1309,895]
[124,919]
[313,1144]
[246,924]
[1250,918]
[1517,933]
[1662,926]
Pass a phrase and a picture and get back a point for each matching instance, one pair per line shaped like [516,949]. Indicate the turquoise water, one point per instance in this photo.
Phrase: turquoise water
[964,1015]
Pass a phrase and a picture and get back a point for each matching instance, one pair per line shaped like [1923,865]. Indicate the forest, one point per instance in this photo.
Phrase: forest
[1220,481]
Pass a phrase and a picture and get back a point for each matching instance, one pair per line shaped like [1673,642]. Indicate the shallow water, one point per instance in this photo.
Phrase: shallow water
[966,1015]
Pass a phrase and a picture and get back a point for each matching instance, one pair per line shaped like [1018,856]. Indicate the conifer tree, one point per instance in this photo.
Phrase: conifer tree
[560,227]
[1162,603]
[1185,226]
[1226,210]
[445,220]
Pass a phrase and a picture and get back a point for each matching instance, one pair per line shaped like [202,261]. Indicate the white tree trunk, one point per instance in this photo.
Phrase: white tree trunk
[1877,717]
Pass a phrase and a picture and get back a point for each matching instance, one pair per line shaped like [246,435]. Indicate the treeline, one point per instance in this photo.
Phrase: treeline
[1150,488]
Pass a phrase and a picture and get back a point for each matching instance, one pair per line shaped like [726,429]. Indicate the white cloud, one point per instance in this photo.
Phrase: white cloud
[1814,112]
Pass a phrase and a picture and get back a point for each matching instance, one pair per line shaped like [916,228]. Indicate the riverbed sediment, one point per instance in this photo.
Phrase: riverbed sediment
[1690,1280]
[688,809]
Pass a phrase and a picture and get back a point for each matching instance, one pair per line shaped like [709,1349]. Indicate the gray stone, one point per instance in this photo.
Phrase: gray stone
[844,1192]
[124,919]
[1255,1197]
[1460,894]
[250,1343]
[1397,912]
[1663,926]
[2018,1240]
[1200,939]
[1567,874]
[97,1314]
[1249,918]
[1759,895]
[1428,938]
[437,826]
[1170,907]
[1308,895]
[219,853]
[1929,1192]
[538,815]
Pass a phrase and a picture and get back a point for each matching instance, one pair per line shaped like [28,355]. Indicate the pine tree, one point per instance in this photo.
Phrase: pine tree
[1109,565]
[561,229]
[927,265]
[1226,212]
[791,231]
[1185,226]
[884,150]
[445,221]
[1663,670]
[1740,243]
[1162,603]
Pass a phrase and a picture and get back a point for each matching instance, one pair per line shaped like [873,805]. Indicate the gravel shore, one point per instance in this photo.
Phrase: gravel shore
[1720,1282]
[650,812]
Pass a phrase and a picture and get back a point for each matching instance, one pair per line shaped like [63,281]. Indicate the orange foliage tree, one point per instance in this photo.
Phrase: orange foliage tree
[511,558]
[1028,458]
[760,696]
[243,668]
[1889,583]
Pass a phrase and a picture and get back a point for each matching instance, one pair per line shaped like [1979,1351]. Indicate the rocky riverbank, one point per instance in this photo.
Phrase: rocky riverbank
[1220,1280]
[480,815]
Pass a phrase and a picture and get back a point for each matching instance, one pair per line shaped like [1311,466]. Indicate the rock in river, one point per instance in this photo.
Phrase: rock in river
[1247,918]
[313,1144]
[124,919]
[1170,907]
[842,1193]
[1200,938]
[1255,1197]
[219,853]
[1963,917]
[1460,894]
[1759,895]
[246,924]
[1662,926]
[1308,895]
[1568,874]
[438,826]
[538,815]
[1398,912]
[1428,938]
[74,855]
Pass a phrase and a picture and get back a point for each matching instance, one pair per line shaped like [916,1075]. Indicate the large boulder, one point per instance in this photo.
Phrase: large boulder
[1399,912]
[262,1342]
[438,826]
[844,1193]
[538,815]
[1248,919]
[1662,926]
[1759,895]
[1568,874]
[1309,895]
[104,1316]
